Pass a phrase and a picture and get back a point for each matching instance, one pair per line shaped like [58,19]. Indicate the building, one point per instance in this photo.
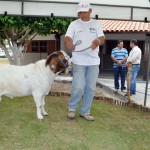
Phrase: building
[113,29]
[105,9]
[125,30]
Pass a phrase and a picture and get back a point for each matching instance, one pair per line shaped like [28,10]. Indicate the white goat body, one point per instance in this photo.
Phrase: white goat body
[33,79]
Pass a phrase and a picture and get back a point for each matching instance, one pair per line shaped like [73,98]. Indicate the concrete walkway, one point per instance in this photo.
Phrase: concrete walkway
[108,83]
[140,94]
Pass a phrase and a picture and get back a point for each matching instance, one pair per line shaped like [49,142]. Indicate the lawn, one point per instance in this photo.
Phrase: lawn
[4,61]
[114,128]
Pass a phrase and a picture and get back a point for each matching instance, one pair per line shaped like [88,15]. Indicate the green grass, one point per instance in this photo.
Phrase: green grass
[4,61]
[114,128]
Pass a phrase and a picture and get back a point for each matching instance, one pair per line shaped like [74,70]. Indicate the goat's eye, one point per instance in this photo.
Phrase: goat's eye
[61,57]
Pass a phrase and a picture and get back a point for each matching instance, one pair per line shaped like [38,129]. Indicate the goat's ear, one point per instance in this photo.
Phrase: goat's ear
[49,58]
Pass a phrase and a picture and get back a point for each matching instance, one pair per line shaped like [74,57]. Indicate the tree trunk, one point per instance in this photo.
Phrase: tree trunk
[17,60]
[17,54]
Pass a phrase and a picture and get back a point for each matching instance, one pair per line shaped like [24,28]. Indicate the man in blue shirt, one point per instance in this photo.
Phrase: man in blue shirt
[119,56]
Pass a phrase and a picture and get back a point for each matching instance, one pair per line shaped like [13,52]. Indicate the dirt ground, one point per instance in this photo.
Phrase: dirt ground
[65,87]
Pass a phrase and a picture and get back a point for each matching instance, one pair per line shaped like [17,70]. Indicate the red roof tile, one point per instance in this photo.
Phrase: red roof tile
[124,26]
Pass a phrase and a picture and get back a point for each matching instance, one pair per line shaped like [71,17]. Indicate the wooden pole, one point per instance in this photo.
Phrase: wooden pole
[146,56]
[128,82]
[147,48]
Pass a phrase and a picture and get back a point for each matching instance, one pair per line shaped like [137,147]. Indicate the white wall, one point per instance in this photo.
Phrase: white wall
[62,45]
[141,3]
[10,7]
[45,8]
[48,37]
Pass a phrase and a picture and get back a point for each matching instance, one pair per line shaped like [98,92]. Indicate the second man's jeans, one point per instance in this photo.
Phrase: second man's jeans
[134,72]
[119,71]
[83,84]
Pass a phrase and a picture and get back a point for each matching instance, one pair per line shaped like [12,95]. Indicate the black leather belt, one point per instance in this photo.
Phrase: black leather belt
[135,64]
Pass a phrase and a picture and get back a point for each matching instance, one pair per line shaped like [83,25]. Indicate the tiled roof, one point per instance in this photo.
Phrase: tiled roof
[124,26]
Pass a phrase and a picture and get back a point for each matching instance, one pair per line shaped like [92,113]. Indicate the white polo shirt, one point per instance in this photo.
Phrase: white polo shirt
[86,32]
[135,55]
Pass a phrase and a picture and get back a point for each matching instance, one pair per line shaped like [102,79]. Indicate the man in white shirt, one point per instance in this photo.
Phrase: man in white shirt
[134,59]
[88,33]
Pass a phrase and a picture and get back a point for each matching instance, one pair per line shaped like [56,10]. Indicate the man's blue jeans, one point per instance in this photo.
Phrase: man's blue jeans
[83,84]
[134,71]
[119,71]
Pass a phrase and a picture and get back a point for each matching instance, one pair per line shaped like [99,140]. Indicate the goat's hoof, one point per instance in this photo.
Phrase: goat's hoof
[45,114]
[40,117]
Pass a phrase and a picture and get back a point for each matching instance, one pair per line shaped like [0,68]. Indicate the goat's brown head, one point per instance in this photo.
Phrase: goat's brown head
[57,62]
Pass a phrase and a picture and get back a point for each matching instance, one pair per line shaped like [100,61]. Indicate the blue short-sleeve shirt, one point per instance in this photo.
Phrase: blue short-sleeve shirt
[119,55]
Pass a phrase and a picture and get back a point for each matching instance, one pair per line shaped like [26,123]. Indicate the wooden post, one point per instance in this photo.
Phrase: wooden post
[147,49]
[146,56]
[128,83]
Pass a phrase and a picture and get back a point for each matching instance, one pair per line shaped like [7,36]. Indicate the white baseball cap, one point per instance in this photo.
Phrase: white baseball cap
[84,6]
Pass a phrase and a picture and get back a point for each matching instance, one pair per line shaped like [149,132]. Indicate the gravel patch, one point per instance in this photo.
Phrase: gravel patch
[100,91]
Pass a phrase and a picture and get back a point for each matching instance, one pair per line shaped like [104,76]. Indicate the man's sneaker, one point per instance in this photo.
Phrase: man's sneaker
[133,93]
[124,91]
[127,94]
[88,117]
[116,90]
[71,114]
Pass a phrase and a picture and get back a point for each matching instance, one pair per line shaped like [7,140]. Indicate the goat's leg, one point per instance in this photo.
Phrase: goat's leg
[44,113]
[38,100]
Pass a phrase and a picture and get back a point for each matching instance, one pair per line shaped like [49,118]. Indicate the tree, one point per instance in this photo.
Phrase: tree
[20,30]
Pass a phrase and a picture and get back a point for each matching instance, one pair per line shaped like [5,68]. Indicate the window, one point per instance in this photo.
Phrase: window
[42,46]
[39,46]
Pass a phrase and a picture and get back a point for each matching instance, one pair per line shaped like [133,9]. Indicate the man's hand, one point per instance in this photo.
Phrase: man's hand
[119,63]
[128,64]
[69,43]
[95,43]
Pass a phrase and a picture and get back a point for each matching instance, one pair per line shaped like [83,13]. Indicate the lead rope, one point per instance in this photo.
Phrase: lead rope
[78,43]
